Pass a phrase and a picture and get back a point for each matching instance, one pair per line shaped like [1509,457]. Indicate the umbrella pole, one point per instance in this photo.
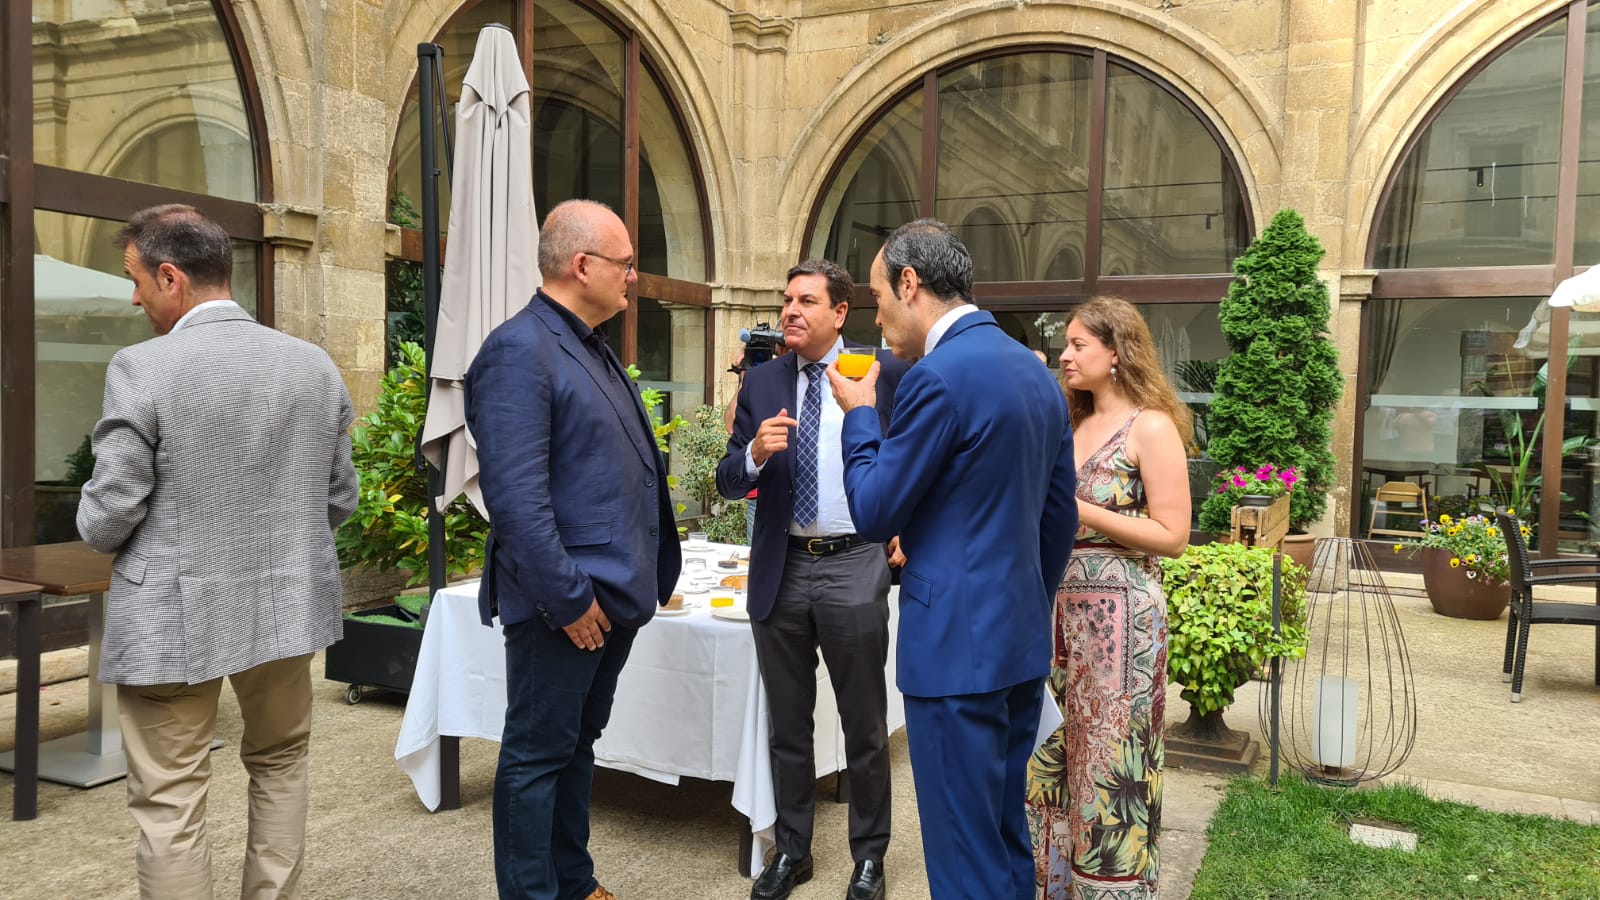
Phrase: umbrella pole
[430,72]
[429,66]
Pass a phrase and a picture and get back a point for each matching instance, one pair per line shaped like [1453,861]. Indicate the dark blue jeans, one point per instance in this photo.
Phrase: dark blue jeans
[558,698]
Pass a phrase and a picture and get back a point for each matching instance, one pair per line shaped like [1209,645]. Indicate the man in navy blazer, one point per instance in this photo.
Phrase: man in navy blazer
[582,545]
[976,476]
[814,584]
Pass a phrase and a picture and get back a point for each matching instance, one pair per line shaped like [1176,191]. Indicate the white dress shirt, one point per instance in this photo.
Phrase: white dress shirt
[184,319]
[937,332]
[833,510]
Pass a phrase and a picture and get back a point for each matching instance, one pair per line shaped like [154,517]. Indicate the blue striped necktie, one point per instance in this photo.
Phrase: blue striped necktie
[805,461]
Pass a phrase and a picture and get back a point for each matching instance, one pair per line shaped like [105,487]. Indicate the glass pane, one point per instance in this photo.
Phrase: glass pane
[874,192]
[1587,247]
[1013,164]
[83,314]
[672,359]
[1580,466]
[671,240]
[1479,187]
[577,106]
[143,90]
[458,42]
[1465,426]
[1172,206]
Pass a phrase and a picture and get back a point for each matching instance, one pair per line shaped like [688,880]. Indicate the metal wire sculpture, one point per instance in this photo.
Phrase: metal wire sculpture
[1349,708]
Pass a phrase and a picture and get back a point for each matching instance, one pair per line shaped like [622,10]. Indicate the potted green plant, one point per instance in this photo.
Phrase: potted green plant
[1219,627]
[697,448]
[1275,394]
[1464,565]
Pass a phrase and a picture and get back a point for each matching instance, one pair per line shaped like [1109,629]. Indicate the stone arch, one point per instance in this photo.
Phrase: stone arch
[274,33]
[1407,96]
[1192,63]
[676,65]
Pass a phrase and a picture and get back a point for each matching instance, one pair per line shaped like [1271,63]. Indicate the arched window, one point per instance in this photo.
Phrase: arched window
[593,88]
[1461,387]
[1067,173]
[133,104]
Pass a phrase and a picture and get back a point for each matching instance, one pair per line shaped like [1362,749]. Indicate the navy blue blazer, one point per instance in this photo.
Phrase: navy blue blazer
[976,476]
[576,488]
[767,389]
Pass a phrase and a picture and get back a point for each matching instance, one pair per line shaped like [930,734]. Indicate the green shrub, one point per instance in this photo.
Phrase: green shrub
[1219,619]
[699,445]
[1275,394]
[389,529]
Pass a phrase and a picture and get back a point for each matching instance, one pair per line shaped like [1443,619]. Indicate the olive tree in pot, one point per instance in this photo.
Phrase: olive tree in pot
[1219,627]
[697,448]
[1276,392]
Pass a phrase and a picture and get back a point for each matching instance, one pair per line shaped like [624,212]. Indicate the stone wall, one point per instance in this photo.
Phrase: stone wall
[1314,99]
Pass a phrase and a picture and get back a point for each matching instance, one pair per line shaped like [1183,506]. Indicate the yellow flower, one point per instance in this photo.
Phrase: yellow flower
[1526,531]
[1397,548]
[1510,511]
[1472,558]
[1490,532]
[1444,518]
[1455,562]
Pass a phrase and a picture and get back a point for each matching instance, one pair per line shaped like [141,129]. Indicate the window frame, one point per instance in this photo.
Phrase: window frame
[27,187]
[1493,281]
[1041,296]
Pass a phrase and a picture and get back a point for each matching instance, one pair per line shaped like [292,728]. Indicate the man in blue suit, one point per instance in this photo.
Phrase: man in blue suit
[976,476]
[582,546]
[814,583]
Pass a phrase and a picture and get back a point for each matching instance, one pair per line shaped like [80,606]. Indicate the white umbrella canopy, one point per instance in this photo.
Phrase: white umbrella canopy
[63,289]
[491,269]
[1581,292]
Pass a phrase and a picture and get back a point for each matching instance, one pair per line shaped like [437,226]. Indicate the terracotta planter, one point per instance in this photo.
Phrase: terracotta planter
[1302,549]
[1453,594]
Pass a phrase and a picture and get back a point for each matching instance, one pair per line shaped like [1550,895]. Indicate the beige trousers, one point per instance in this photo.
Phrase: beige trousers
[166,733]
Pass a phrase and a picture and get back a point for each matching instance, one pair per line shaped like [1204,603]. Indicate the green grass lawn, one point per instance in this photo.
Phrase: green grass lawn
[1294,842]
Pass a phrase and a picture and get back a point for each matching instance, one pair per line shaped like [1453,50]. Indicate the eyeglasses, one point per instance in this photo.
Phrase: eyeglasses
[626,264]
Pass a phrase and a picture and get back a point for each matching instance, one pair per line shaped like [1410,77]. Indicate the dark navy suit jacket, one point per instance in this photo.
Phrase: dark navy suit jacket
[576,488]
[976,476]
[767,389]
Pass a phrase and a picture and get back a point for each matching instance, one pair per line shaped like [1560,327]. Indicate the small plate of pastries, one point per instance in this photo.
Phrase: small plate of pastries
[737,582]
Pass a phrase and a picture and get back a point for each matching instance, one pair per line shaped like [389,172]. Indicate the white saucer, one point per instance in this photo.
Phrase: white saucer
[692,547]
[731,613]
[663,611]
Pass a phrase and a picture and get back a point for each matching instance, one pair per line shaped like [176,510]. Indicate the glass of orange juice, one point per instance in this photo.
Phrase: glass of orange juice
[854,365]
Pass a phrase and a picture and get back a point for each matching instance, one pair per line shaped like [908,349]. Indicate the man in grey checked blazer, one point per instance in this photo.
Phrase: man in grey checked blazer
[222,468]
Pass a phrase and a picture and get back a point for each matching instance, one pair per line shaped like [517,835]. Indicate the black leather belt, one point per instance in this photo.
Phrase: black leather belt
[825,546]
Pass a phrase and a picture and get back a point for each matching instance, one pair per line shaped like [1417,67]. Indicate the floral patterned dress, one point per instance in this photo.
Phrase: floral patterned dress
[1094,788]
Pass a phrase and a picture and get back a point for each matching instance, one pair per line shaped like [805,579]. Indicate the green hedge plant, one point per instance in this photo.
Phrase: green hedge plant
[698,446]
[1219,625]
[1276,392]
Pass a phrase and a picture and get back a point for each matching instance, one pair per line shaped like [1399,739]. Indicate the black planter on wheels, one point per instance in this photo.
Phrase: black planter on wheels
[375,653]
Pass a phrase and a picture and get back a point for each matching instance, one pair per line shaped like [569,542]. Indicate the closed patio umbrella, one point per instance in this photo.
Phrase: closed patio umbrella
[491,269]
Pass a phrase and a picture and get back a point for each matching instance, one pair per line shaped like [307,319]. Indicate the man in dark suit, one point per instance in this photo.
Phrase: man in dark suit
[976,476]
[582,544]
[813,582]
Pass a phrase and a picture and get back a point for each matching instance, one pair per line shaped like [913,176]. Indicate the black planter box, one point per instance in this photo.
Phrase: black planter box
[374,654]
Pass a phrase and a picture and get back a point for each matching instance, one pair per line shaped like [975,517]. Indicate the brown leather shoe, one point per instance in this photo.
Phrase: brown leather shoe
[600,893]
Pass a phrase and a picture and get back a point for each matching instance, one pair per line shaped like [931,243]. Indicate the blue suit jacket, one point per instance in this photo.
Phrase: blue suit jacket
[976,475]
[767,389]
[576,489]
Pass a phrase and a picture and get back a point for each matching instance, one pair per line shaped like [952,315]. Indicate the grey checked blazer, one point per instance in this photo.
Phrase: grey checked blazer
[222,467]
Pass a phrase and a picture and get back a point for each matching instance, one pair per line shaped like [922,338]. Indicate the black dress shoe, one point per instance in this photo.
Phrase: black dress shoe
[780,877]
[867,882]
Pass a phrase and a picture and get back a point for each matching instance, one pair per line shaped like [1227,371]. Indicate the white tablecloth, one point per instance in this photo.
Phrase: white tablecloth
[689,703]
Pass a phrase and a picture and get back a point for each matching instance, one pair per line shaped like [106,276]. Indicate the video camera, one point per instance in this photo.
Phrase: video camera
[761,344]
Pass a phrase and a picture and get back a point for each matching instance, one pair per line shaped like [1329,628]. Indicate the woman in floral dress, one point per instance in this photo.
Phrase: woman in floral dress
[1094,791]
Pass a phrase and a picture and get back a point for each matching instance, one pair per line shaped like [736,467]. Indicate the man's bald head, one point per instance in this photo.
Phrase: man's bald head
[573,227]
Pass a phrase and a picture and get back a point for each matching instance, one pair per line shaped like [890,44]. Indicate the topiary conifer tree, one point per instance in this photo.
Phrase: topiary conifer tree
[1275,394]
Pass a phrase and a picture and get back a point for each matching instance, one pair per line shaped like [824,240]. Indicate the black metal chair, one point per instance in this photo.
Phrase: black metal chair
[1525,611]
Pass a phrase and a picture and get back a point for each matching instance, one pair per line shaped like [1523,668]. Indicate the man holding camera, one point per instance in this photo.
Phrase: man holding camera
[813,583]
